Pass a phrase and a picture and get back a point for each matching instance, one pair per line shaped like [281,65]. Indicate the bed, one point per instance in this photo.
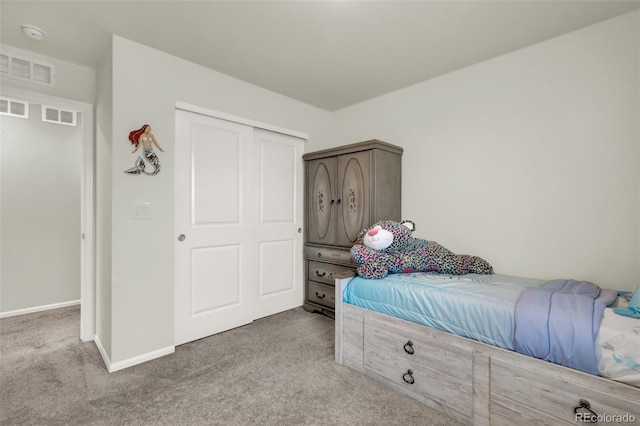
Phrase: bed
[402,330]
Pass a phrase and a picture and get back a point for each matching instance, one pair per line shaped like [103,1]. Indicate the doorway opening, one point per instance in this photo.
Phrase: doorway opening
[78,164]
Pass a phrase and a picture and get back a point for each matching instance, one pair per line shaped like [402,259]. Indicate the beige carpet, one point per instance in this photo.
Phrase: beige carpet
[277,371]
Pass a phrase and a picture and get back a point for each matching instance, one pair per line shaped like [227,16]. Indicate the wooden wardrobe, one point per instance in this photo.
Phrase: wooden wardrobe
[348,188]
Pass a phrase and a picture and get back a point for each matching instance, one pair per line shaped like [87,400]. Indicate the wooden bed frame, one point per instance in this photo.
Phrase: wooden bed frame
[471,381]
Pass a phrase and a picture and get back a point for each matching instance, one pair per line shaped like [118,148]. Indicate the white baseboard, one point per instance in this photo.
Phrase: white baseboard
[121,365]
[38,309]
[103,352]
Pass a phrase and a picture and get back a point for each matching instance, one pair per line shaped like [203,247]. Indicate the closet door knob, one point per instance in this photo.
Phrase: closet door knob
[181,237]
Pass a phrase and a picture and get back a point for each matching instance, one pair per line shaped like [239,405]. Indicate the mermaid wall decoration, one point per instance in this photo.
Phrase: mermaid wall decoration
[144,137]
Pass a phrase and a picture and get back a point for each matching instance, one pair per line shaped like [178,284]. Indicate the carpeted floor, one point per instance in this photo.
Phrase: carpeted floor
[277,371]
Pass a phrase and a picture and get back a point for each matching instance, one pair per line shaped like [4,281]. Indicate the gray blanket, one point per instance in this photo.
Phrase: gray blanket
[559,322]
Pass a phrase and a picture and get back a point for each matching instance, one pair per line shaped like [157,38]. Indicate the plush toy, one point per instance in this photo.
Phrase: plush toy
[388,247]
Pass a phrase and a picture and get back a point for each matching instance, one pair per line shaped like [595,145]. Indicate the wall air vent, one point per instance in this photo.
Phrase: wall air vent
[58,116]
[14,108]
[24,69]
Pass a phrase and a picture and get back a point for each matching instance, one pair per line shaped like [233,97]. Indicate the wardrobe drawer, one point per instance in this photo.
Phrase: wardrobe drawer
[321,294]
[324,272]
[328,254]
[445,353]
[558,396]
[440,387]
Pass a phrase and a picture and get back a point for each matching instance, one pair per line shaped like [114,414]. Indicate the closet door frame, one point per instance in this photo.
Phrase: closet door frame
[240,120]
[257,127]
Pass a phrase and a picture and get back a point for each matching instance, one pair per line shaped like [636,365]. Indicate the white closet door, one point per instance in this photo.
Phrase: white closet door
[215,210]
[279,180]
[239,207]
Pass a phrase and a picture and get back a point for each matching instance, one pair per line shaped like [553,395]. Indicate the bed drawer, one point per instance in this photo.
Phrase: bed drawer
[324,272]
[505,412]
[420,345]
[559,396]
[328,254]
[416,378]
[322,294]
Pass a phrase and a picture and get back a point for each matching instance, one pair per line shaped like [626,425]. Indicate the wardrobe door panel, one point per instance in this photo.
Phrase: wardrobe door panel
[353,196]
[321,201]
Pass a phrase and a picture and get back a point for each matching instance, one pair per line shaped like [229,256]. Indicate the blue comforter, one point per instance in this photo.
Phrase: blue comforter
[559,321]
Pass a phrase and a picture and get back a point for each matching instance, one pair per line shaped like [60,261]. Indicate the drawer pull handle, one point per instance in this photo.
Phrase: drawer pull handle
[320,296]
[320,274]
[408,377]
[585,412]
[408,347]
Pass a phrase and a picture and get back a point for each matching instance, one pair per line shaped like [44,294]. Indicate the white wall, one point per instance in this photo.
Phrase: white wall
[103,189]
[142,250]
[40,211]
[72,81]
[530,160]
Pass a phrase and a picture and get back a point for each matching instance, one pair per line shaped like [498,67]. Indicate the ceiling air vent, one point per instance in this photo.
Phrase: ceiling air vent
[14,108]
[23,69]
[59,116]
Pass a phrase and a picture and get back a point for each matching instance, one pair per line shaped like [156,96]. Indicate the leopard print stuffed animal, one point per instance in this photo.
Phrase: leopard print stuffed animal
[388,247]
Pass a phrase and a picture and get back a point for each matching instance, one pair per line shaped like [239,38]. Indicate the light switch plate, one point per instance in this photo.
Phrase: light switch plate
[142,210]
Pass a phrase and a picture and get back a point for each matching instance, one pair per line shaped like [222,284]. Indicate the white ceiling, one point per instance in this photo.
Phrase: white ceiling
[330,54]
